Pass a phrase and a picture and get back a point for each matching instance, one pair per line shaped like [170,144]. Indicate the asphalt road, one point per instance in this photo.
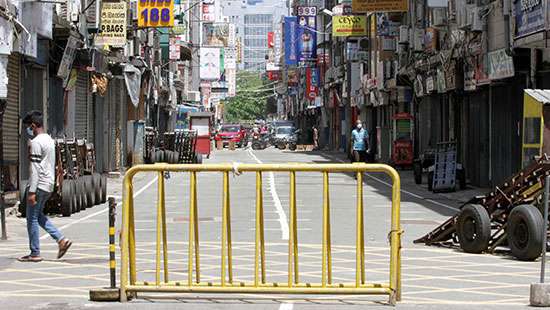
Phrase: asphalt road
[432,277]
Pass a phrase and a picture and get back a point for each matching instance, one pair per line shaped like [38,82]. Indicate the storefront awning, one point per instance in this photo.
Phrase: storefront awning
[540,95]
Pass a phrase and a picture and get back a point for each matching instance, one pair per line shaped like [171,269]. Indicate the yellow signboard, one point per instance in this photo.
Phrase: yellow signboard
[156,13]
[347,26]
[367,6]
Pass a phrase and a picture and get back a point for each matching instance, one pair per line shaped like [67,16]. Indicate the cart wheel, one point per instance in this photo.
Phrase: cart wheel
[461,177]
[176,157]
[74,194]
[81,195]
[473,228]
[66,198]
[103,189]
[22,208]
[159,156]
[89,184]
[96,187]
[430,180]
[524,230]
[417,169]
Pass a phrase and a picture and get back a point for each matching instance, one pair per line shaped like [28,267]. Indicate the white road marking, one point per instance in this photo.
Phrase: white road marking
[275,197]
[141,190]
[286,306]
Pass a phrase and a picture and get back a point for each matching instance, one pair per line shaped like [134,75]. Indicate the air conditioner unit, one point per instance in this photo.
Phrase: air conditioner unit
[403,34]
[439,17]
[194,96]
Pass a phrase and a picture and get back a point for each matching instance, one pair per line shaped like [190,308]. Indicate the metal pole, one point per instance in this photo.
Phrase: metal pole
[112,261]
[3,104]
[544,231]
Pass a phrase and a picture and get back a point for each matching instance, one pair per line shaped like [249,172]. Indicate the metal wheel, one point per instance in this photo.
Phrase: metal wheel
[473,228]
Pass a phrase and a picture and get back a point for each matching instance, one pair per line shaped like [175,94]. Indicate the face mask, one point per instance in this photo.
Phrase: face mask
[359,126]
[30,133]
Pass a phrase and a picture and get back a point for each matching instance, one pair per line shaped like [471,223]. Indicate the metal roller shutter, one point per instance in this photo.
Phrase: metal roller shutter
[81,106]
[11,116]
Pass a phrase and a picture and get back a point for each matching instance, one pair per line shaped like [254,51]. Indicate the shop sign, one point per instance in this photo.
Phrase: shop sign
[481,74]
[346,26]
[291,36]
[386,27]
[368,6]
[155,13]
[441,87]
[307,37]
[208,12]
[175,49]
[113,24]
[469,80]
[210,63]
[528,17]
[500,65]
[450,77]
[312,83]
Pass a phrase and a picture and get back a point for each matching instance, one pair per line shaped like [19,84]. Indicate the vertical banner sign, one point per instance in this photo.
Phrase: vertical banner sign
[307,35]
[529,17]
[209,63]
[290,35]
[113,24]
[312,83]
[155,13]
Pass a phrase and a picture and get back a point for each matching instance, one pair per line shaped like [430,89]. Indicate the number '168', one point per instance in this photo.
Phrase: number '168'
[154,15]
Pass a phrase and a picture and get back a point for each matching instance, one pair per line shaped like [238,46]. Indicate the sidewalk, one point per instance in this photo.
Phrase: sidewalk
[452,199]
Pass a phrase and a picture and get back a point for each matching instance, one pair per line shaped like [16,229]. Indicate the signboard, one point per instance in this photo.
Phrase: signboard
[291,36]
[154,14]
[528,16]
[232,37]
[346,26]
[208,12]
[312,83]
[113,24]
[215,34]
[500,65]
[210,63]
[230,55]
[368,6]
[175,49]
[307,11]
[307,36]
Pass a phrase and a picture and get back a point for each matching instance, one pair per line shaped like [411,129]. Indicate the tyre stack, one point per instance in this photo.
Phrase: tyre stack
[165,156]
[83,192]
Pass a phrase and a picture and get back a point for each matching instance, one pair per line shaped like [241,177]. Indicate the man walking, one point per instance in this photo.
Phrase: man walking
[41,185]
[359,142]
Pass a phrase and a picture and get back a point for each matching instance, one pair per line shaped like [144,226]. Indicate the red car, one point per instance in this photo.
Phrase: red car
[233,132]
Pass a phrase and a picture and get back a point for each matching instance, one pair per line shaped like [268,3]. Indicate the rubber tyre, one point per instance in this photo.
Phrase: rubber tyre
[292,147]
[281,146]
[103,189]
[473,228]
[430,180]
[417,170]
[74,206]
[198,158]
[461,178]
[96,186]
[66,198]
[83,194]
[81,202]
[524,230]
[22,208]
[256,146]
[90,194]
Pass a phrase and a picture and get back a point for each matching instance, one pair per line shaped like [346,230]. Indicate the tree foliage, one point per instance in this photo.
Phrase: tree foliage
[250,102]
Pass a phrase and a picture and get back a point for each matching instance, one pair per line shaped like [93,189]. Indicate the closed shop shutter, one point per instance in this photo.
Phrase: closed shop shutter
[11,116]
[81,106]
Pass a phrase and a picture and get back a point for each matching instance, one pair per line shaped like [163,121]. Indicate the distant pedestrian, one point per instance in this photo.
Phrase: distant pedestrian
[41,185]
[315,138]
[359,142]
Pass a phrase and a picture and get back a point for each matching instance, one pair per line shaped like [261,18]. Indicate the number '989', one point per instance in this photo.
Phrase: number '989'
[155,15]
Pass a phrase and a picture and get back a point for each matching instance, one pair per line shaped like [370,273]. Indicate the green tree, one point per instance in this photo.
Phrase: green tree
[250,102]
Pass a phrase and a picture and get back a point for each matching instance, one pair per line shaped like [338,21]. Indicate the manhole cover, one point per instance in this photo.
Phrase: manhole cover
[182,219]
[419,222]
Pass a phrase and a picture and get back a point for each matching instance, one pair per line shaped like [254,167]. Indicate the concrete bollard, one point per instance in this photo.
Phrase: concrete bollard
[540,295]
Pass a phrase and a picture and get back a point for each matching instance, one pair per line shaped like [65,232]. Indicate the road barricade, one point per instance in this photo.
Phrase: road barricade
[130,284]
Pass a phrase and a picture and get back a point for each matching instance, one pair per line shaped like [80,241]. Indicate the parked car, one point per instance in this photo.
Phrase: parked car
[232,132]
[285,135]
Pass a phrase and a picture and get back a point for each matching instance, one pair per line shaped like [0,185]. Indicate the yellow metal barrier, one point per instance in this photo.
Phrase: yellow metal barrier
[129,283]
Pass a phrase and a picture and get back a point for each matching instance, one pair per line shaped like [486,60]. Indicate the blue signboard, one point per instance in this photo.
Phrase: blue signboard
[307,38]
[291,40]
[529,17]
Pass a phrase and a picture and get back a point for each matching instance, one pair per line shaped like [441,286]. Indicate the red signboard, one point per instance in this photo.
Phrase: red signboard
[270,39]
[274,75]
[311,83]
